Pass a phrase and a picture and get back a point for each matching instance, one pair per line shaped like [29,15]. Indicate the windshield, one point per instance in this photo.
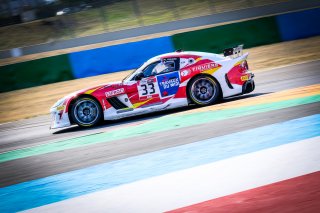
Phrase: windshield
[131,73]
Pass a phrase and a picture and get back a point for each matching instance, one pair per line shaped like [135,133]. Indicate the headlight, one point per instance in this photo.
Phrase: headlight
[58,103]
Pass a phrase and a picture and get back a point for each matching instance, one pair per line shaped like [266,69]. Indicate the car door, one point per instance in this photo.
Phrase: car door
[158,83]
[148,89]
[168,79]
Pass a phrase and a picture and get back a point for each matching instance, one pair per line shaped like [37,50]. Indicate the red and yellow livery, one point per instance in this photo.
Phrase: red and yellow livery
[164,82]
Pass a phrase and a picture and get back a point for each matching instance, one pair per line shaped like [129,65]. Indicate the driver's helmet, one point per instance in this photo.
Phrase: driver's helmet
[169,65]
[163,67]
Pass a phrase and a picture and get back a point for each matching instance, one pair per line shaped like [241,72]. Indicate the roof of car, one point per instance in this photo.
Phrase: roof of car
[215,57]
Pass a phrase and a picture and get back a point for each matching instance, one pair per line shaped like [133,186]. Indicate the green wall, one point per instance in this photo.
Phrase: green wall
[250,33]
[35,73]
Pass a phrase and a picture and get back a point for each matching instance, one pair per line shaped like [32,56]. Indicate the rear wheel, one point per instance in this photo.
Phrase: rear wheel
[86,112]
[203,90]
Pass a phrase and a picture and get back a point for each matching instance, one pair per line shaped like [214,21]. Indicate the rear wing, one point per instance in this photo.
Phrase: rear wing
[234,52]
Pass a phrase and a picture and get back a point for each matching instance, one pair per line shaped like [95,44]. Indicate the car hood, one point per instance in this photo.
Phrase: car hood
[89,90]
[107,87]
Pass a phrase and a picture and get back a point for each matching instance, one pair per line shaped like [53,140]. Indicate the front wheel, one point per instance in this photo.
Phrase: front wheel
[203,90]
[86,112]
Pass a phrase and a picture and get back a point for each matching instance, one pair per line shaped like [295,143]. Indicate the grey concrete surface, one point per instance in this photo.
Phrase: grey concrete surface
[246,13]
[28,131]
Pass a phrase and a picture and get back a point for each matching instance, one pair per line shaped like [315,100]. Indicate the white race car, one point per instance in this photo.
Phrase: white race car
[166,81]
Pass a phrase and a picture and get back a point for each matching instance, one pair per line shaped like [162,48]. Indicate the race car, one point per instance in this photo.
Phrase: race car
[163,82]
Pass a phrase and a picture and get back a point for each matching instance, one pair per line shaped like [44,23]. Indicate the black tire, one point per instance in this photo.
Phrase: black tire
[86,112]
[203,90]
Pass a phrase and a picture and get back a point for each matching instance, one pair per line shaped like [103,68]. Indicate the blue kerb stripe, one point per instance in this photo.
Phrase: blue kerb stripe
[71,184]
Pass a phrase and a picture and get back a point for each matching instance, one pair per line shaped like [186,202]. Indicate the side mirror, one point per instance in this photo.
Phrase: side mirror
[139,76]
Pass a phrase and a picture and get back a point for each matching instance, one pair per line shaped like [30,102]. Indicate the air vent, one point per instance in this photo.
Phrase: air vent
[116,103]
[228,82]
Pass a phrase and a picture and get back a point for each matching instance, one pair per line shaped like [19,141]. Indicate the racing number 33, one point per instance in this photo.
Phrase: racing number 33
[148,89]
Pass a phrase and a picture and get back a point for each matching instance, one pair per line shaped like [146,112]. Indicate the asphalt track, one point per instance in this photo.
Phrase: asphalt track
[20,166]
[35,131]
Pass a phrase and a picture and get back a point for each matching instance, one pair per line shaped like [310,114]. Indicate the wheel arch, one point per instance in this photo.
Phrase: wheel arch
[78,97]
[203,74]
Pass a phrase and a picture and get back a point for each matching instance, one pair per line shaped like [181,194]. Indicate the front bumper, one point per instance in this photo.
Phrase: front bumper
[59,119]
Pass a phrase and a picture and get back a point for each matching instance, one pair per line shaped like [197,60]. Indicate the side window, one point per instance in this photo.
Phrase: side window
[170,64]
[160,67]
[149,70]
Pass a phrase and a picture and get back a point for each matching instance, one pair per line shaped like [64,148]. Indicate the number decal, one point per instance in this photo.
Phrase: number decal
[152,88]
[147,89]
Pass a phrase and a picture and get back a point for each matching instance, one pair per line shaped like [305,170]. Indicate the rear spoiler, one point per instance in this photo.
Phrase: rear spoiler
[233,52]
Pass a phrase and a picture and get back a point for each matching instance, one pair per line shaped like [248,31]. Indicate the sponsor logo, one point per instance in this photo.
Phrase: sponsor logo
[164,93]
[182,62]
[114,92]
[185,72]
[114,86]
[169,59]
[166,84]
[147,80]
[244,78]
[203,67]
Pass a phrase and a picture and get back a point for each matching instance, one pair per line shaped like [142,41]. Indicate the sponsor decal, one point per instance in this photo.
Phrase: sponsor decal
[148,80]
[168,83]
[204,67]
[117,85]
[244,78]
[114,86]
[186,62]
[183,62]
[172,82]
[185,73]
[169,59]
[115,92]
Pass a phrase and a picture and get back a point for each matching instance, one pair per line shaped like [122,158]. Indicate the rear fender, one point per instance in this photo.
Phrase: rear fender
[203,74]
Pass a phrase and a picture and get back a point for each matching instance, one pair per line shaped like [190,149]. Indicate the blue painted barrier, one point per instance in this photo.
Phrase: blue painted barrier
[118,57]
[299,25]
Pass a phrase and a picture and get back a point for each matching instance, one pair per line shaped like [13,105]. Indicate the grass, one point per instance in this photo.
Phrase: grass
[114,17]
